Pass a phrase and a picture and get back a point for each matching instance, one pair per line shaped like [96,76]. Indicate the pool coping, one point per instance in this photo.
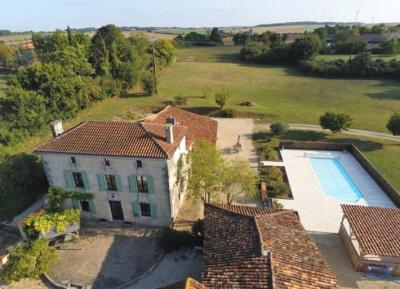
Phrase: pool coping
[382,182]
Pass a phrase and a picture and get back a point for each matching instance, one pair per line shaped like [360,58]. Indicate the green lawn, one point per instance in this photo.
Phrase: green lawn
[209,54]
[277,92]
[346,57]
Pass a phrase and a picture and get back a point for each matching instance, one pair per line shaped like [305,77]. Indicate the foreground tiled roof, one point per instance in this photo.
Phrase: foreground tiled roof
[189,283]
[260,248]
[377,229]
[109,138]
[200,127]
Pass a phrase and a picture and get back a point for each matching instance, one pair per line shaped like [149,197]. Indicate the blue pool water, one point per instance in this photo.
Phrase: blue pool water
[335,180]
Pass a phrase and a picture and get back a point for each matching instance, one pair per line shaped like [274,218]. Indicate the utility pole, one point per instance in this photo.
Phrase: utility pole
[152,41]
[352,46]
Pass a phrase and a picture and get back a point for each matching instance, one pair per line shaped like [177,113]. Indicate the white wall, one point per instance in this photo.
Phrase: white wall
[163,172]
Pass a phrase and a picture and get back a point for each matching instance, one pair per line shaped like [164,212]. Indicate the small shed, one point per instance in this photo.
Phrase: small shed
[371,236]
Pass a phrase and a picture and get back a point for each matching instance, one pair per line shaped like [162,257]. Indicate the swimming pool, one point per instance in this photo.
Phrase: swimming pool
[334,179]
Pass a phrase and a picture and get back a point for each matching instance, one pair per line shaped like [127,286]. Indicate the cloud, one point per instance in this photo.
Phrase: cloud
[222,7]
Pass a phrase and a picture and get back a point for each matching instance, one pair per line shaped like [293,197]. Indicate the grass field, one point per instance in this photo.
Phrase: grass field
[346,57]
[278,93]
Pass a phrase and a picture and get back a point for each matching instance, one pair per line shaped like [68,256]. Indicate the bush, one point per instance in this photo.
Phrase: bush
[335,122]
[148,84]
[228,113]
[173,240]
[180,100]
[28,261]
[221,98]
[393,124]
[279,128]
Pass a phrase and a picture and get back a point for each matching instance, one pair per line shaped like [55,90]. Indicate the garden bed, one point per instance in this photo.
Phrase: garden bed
[277,182]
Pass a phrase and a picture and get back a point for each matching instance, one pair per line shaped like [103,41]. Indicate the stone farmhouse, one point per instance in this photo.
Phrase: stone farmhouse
[129,167]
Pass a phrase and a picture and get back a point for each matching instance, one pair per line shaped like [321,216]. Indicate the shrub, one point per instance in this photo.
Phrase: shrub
[221,98]
[180,100]
[28,261]
[148,84]
[279,128]
[335,122]
[393,124]
[228,113]
[173,240]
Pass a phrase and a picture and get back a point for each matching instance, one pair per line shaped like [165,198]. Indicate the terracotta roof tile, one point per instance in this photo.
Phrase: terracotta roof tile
[200,127]
[377,229]
[109,138]
[246,247]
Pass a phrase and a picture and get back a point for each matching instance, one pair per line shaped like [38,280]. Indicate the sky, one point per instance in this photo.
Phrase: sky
[45,15]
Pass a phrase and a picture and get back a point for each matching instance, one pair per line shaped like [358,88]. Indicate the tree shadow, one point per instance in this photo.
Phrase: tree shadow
[305,135]
[134,94]
[363,145]
[204,110]
[391,92]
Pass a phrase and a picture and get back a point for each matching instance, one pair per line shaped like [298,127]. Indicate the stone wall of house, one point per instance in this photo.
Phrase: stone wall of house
[162,171]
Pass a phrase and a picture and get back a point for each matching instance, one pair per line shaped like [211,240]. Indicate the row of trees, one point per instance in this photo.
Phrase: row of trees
[74,70]
[360,66]
[270,47]
[213,38]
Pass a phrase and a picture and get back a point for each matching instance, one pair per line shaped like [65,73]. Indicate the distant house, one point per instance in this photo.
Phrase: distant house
[373,39]
[372,237]
[129,167]
[249,247]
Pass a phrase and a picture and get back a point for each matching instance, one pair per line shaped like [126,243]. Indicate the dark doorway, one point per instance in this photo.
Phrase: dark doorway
[116,210]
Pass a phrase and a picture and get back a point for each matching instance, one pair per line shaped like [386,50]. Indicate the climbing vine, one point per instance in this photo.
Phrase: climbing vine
[180,174]
[55,217]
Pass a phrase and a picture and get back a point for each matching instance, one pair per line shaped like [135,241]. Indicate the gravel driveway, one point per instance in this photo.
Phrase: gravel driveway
[107,257]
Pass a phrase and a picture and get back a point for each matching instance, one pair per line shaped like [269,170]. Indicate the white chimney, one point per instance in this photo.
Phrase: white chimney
[169,133]
[171,120]
[56,128]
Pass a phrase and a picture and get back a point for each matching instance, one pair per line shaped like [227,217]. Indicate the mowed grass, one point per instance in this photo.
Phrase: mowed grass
[209,54]
[278,93]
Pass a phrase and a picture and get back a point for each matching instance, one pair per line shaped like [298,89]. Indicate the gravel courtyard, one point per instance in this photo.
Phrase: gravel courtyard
[107,257]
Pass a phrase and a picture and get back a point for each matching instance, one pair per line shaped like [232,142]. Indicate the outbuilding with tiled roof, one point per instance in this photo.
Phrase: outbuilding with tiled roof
[371,236]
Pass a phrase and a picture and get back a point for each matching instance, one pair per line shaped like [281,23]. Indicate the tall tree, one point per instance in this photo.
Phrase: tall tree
[305,48]
[215,36]
[335,122]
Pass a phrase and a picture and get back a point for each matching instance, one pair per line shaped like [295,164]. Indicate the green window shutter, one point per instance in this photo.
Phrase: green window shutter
[85,180]
[150,184]
[102,182]
[76,204]
[153,210]
[69,180]
[132,184]
[136,209]
[91,206]
[119,183]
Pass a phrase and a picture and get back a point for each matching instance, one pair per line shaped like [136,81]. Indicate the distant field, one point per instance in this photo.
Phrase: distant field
[346,57]
[16,37]
[207,54]
[179,31]
[279,29]
[278,93]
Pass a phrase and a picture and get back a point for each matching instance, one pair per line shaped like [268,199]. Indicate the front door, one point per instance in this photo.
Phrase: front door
[116,210]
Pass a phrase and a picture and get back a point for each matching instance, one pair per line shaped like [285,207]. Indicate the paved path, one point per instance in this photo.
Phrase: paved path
[174,267]
[358,132]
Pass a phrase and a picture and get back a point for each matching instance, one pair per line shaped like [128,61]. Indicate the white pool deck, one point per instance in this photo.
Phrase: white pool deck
[318,211]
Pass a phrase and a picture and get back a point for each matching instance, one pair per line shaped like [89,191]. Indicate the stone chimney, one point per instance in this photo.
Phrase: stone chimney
[169,133]
[171,120]
[56,128]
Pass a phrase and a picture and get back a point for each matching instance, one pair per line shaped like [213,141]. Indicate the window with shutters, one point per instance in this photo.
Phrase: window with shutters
[78,180]
[107,162]
[145,210]
[73,160]
[85,206]
[111,182]
[139,164]
[142,184]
